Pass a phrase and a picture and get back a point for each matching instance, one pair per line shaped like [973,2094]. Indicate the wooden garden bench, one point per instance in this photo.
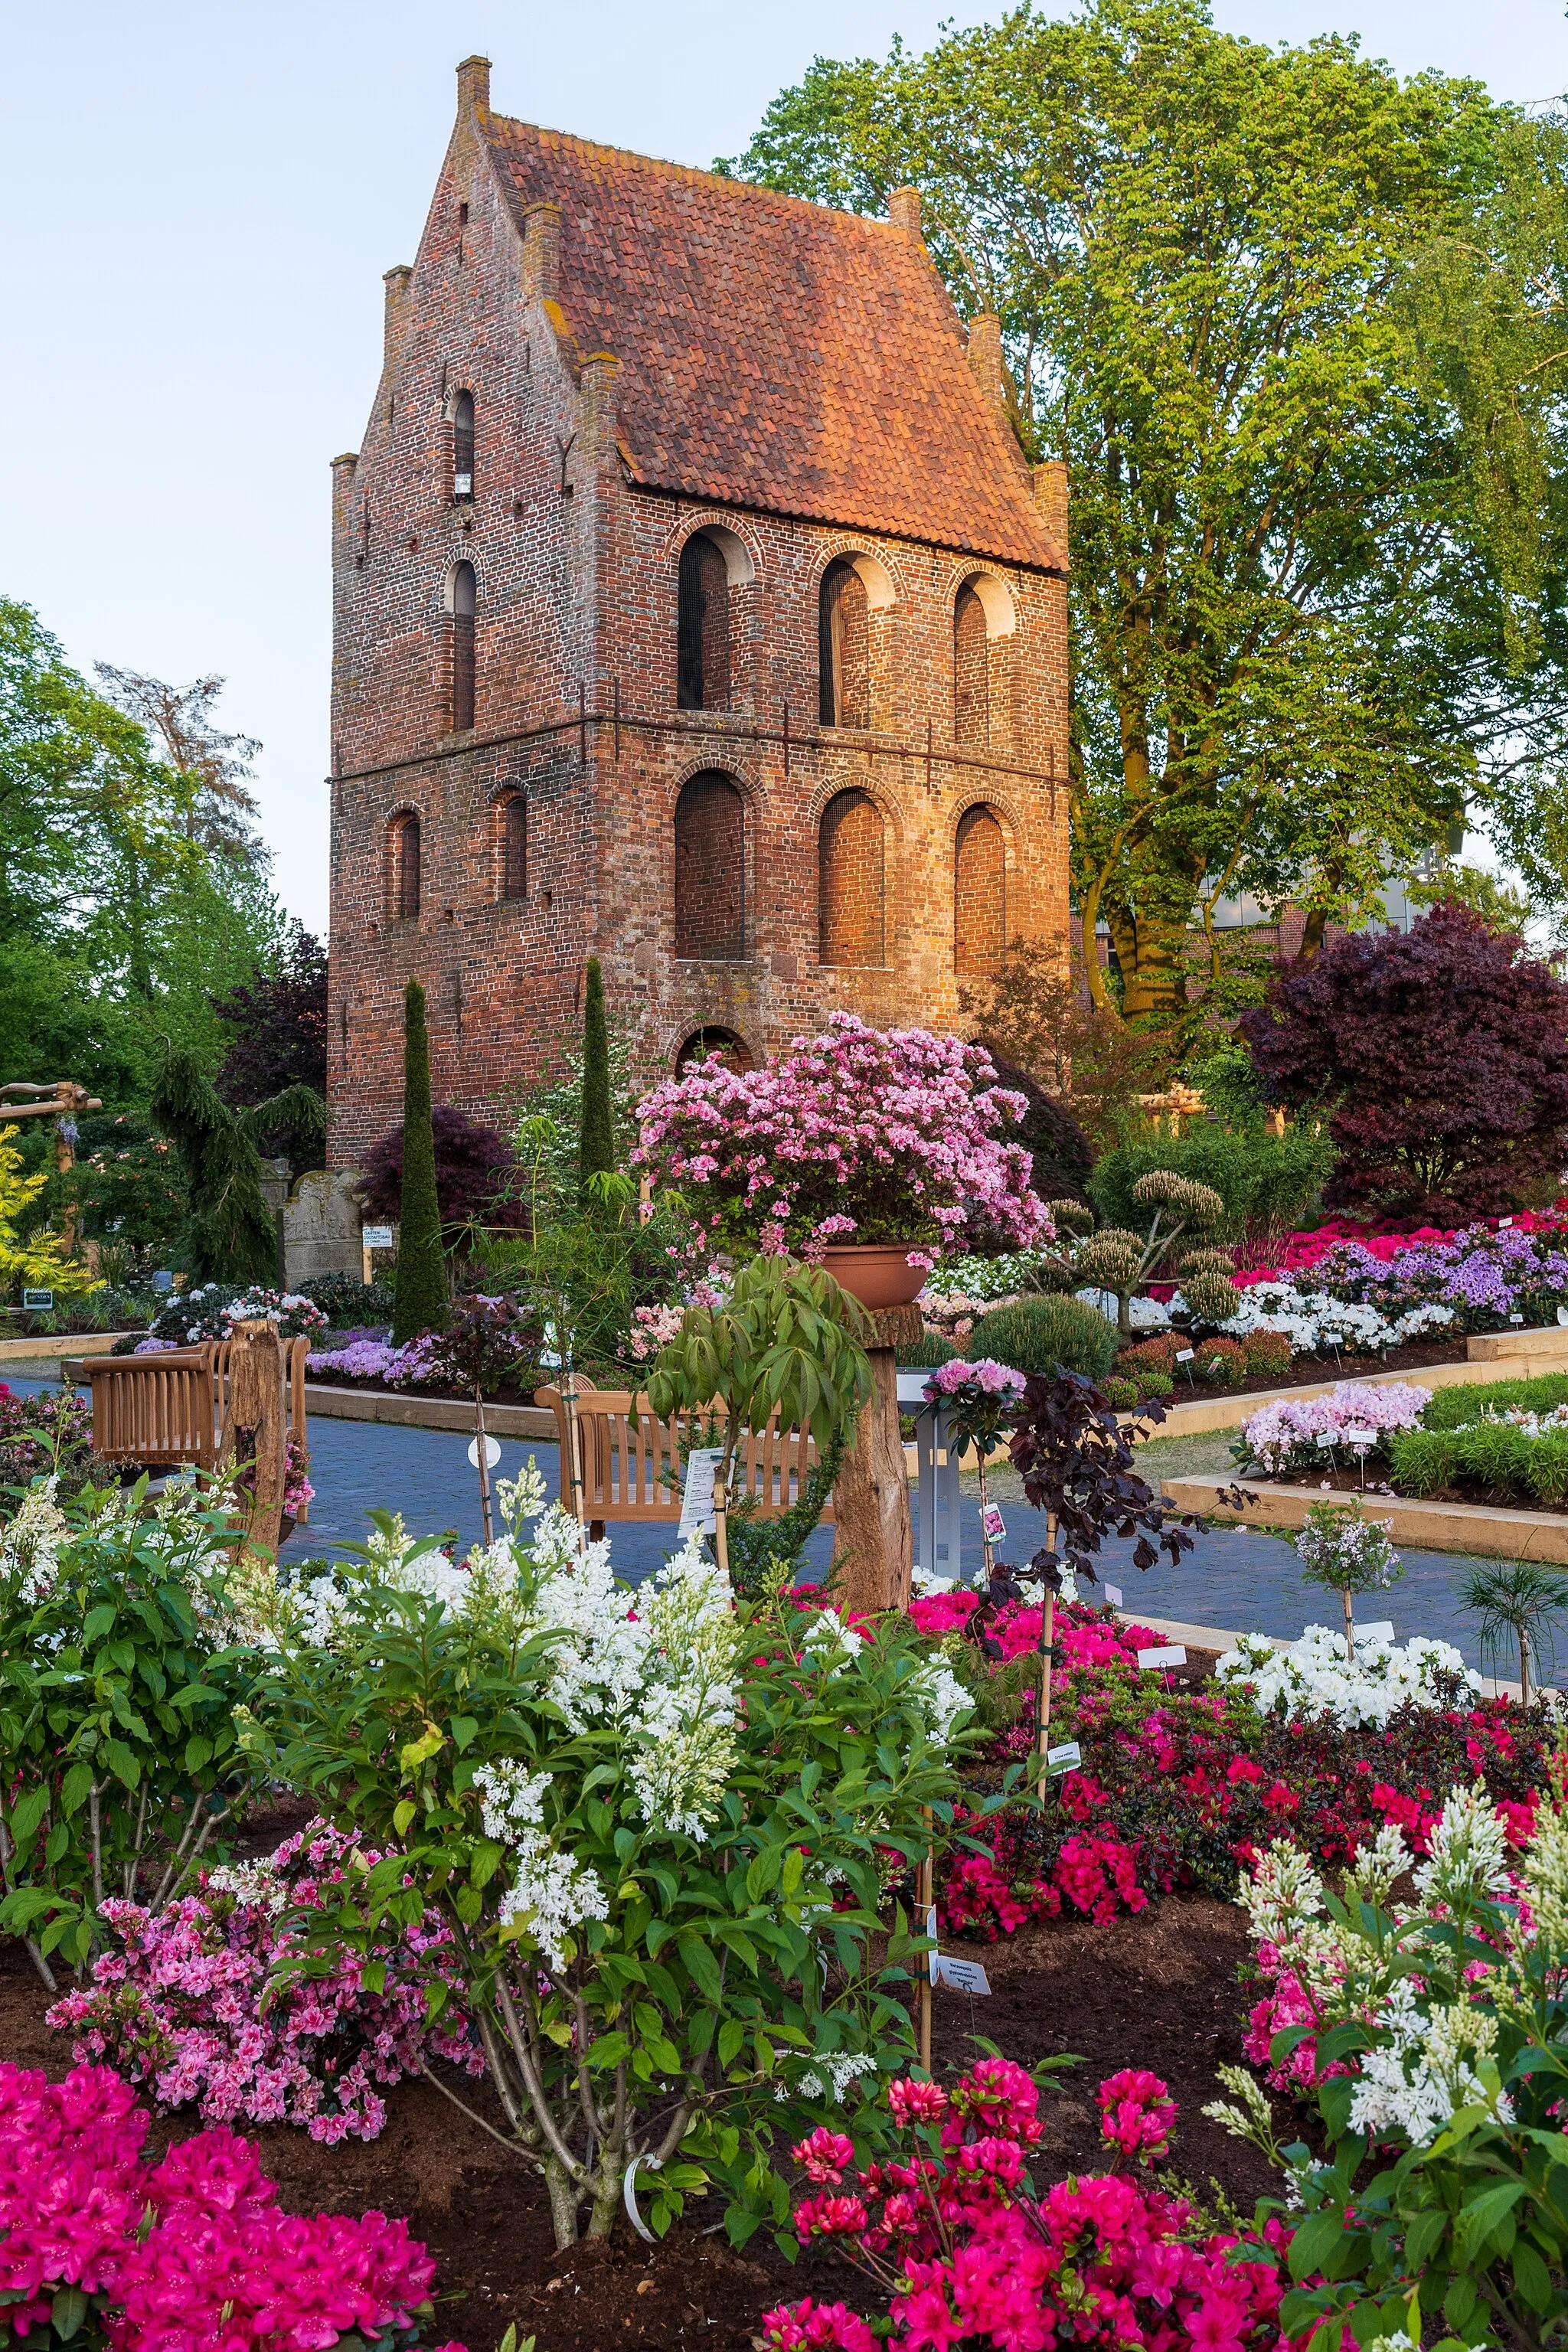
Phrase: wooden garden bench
[166,1409]
[631,1466]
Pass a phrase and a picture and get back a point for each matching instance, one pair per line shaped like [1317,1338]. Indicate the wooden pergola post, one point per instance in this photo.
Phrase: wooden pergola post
[871,1494]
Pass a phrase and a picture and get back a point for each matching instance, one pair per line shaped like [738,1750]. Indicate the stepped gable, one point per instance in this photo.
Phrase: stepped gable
[775,354]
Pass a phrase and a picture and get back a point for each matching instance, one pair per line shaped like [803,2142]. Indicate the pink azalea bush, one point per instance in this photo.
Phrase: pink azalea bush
[964,2253]
[188,2006]
[189,2255]
[858,1135]
[1285,1435]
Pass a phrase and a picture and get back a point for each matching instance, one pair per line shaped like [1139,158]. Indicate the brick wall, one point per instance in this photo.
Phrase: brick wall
[576,710]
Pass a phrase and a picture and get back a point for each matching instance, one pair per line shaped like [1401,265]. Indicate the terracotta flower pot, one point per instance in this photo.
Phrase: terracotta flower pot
[878,1274]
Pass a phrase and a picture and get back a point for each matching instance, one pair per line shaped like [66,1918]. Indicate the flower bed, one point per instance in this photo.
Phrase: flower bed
[99,2246]
[1289,1436]
[1182,1787]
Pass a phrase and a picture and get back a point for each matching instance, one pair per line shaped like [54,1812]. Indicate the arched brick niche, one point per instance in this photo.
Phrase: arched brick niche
[979,912]
[983,631]
[852,881]
[710,868]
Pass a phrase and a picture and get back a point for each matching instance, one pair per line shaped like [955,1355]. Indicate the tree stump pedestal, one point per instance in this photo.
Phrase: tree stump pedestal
[874,1535]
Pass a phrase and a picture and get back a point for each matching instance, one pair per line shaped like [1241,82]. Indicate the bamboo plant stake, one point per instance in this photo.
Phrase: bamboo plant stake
[484,1449]
[925,1894]
[1047,1629]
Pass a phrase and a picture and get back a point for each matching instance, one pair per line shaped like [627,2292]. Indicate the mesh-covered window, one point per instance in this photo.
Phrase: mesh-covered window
[463,448]
[464,598]
[703,654]
[403,867]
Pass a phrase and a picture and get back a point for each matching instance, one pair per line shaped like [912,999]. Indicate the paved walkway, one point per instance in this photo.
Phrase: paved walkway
[1233,1578]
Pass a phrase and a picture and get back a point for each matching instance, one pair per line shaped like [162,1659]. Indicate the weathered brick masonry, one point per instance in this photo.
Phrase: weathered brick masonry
[702,506]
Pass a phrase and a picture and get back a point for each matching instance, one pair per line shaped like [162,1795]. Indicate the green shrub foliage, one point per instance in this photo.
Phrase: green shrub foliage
[1038,1334]
[423,1302]
[1267,1182]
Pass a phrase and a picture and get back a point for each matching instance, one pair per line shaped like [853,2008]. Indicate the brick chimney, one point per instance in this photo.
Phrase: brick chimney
[904,210]
[399,284]
[542,252]
[1051,498]
[985,354]
[474,87]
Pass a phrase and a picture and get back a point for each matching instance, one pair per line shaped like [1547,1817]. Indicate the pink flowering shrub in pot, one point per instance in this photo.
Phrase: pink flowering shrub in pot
[964,2251]
[859,1136]
[107,2252]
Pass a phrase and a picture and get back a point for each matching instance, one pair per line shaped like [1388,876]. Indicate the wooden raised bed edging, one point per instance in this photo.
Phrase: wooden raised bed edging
[1488,1531]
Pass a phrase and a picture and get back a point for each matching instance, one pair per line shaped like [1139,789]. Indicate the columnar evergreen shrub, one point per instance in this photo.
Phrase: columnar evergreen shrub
[596,1148]
[423,1302]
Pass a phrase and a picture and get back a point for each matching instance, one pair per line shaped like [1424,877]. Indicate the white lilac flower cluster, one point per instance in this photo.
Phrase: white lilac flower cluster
[550,1893]
[1313,1322]
[1434,2033]
[31,1541]
[1313,1679]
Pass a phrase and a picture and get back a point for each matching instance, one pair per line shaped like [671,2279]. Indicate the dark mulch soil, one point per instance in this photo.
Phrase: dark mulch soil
[1310,1371]
[1158,1991]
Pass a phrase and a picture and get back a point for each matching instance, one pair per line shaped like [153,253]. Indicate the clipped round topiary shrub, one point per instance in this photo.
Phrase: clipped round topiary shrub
[1156,1355]
[1036,1335]
[1223,1361]
[1128,1394]
[1267,1355]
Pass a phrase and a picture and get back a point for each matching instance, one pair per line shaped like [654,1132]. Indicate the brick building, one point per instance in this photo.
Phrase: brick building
[693,606]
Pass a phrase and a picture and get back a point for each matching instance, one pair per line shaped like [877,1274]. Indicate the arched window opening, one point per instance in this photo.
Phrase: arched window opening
[703,628]
[403,867]
[851,873]
[714,1044]
[509,816]
[971,672]
[844,648]
[710,869]
[464,597]
[463,448]
[980,893]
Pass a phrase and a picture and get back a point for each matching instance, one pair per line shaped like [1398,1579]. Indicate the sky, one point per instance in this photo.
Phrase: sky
[200,198]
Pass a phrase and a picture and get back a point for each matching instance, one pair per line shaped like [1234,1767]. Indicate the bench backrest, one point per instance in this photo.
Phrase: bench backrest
[172,1406]
[631,1465]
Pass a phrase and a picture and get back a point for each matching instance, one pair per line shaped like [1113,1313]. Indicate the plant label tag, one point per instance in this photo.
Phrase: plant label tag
[493,1451]
[990,1526]
[964,1975]
[164,1282]
[1173,1654]
[1114,1594]
[1362,1439]
[376,1236]
[1516,1318]
[1504,1222]
[1065,1758]
[1327,1438]
[1562,1311]
[1381,1631]
[697,1514]
[40,1301]
[1183,1355]
[933,1959]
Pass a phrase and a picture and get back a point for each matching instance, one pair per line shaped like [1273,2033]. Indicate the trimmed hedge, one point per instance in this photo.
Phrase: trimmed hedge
[1492,1453]
[1451,1408]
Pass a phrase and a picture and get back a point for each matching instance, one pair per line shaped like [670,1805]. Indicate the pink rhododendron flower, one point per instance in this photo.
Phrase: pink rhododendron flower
[1136,2112]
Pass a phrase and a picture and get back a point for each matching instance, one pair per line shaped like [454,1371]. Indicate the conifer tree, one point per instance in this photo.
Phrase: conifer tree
[421,1303]
[598,1149]
[231,1236]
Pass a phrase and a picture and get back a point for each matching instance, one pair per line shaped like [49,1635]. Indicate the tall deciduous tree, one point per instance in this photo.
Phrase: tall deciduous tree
[1192,242]
[423,1302]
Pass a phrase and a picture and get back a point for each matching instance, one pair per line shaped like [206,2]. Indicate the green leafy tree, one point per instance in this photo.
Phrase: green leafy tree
[597,1147]
[1192,242]
[231,1236]
[424,1302]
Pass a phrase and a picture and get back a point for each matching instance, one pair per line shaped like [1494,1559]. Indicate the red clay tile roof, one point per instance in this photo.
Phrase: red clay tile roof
[775,354]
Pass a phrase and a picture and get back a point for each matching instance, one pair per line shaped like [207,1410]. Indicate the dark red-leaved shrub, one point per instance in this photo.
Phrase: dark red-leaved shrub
[474,1169]
[1443,1053]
